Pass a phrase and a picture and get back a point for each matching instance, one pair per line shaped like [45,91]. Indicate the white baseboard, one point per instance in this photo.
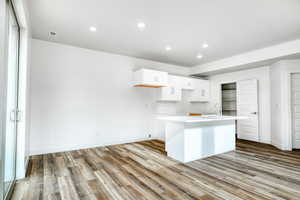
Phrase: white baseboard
[277,144]
[265,141]
[82,146]
[21,171]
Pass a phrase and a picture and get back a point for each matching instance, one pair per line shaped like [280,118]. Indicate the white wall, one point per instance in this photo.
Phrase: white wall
[276,108]
[281,102]
[262,74]
[83,98]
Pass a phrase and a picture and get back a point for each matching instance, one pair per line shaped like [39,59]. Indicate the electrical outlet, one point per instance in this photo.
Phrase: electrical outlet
[149,136]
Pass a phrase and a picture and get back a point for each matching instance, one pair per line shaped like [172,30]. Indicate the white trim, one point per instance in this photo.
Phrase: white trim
[22,15]
[3,84]
[277,144]
[83,146]
[288,67]
[250,59]
[289,141]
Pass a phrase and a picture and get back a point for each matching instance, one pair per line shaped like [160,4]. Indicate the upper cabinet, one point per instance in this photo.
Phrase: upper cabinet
[172,92]
[170,87]
[187,83]
[150,78]
[201,93]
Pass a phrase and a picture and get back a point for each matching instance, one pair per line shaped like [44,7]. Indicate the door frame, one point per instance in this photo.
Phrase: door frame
[3,86]
[220,83]
[220,91]
[8,4]
[290,129]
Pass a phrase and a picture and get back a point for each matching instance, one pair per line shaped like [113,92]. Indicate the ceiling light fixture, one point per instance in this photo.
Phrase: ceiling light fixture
[199,56]
[204,46]
[93,29]
[168,48]
[141,25]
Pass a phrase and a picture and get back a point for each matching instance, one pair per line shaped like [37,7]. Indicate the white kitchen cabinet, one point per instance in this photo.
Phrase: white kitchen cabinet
[187,83]
[150,78]
[201,93]
[172,92]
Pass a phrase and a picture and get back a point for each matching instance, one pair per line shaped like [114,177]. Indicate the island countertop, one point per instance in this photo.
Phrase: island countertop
[196,119]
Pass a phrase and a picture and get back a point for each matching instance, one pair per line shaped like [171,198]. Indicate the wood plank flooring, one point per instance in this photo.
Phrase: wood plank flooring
[141,170]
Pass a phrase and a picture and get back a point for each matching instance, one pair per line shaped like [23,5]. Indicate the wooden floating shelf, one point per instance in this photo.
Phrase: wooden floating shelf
[195,114]
[149,86]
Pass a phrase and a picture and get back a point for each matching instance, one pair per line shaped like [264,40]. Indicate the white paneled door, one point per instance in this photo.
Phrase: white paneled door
[296,110]
[247,105]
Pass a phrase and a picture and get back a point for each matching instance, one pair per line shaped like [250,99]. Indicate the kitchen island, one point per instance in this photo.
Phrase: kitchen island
[191,138]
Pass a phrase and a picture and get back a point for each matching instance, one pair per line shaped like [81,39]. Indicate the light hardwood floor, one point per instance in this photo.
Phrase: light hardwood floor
[141,171]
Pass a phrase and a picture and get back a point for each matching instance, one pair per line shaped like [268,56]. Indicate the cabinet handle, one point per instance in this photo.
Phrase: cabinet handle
[202,93]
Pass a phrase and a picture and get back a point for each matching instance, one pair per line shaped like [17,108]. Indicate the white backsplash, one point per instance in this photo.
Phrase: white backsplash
[181,108]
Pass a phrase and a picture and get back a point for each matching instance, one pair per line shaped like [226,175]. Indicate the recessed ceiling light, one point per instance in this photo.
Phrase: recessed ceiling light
[93,29]
[199,56]
[204,46]
[141,25]
[168,48]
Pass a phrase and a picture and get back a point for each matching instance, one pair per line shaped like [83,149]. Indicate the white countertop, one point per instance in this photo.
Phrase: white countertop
[194,119]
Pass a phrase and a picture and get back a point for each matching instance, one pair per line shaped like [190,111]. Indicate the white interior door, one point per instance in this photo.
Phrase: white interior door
[10,143]
[296,110]
[247,105]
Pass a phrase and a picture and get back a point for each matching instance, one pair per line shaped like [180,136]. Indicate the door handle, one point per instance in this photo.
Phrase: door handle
[15,116]
[254,113]
[12,116]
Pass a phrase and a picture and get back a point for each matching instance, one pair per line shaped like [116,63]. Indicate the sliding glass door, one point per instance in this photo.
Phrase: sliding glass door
[10,138]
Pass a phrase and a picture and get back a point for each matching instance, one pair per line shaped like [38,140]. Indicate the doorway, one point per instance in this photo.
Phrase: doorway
[241,98]
[229,99]
[8,175]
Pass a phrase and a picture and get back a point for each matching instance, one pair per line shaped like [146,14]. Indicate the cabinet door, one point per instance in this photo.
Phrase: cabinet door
[204,90]
[201,92]
[188,83]
[153,77]
[171,92]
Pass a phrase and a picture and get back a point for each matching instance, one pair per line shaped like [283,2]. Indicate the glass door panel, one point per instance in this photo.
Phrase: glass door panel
[12,102]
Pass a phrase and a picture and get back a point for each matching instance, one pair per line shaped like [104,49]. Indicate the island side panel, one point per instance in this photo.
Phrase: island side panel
[208,139]
[174,140]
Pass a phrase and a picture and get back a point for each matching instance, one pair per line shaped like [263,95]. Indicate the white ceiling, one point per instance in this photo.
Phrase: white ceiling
[229,26]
